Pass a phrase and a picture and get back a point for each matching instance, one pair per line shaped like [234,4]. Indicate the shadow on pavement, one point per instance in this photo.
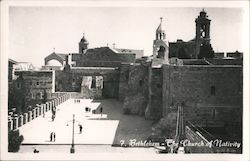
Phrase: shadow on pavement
[130,127]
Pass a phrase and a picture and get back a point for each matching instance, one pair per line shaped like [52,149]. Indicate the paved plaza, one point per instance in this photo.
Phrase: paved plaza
[99,130]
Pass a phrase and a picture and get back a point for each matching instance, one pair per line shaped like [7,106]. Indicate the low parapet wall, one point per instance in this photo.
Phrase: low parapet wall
[15,121]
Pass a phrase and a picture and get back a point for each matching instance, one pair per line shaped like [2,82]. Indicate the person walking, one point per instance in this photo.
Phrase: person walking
[52,117]
[80,128]
[101,110]
[51,136]
[54,136]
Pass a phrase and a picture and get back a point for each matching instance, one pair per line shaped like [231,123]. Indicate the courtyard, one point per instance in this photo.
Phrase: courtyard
[101,132]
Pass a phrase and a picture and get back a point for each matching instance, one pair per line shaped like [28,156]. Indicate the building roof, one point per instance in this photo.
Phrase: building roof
[12,61]
[63,56]
[138,53]
[24,66]
[160,27]
[83,39]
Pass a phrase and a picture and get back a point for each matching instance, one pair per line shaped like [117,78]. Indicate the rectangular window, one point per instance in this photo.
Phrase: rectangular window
[32,96]
[212,90]
[93,83]
[18,85]
[214,112]
[41,95]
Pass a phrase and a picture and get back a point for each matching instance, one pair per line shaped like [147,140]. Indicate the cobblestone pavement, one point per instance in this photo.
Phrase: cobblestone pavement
[110,128]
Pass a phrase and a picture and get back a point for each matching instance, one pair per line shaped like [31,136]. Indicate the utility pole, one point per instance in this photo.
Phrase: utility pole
[72,149]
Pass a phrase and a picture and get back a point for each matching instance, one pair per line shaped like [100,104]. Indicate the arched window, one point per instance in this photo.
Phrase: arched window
[161,52]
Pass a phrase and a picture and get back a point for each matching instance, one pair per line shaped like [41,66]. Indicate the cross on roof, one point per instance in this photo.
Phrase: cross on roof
[161,19]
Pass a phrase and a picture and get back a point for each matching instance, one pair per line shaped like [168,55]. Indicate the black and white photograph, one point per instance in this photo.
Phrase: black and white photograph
[124,79]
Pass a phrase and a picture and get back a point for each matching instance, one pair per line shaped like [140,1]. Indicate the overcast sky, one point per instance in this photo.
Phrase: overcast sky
[35,31]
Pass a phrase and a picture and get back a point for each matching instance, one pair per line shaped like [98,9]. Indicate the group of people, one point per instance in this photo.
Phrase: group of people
[77,100]
[87,109]
[52,136]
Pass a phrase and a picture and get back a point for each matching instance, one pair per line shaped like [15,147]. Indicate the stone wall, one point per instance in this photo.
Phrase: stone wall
[212,95]
[17,120]
[133,88]
[70,81]
[195,135]
[182,49]
[30,88]
[91,87]
[225,61]
[154,107]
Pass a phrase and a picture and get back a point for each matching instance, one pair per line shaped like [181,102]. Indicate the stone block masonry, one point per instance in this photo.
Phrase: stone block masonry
[31,88]
[71,81]
[212,95]
[133,88]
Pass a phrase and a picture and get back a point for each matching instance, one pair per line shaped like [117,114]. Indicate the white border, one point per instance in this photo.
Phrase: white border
[4,72]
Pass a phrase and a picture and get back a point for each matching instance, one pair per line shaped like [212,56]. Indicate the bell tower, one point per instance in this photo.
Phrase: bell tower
[202,31]
[83,45]
[160,46]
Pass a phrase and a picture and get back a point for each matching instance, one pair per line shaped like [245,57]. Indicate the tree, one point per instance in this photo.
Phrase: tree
[14,141]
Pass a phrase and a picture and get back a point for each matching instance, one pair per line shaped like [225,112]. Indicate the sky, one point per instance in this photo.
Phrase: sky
[35,31]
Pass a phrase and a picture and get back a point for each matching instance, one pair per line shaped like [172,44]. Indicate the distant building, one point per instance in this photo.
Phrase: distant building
[31,88]
[11,64]
[236,54]
[24,66]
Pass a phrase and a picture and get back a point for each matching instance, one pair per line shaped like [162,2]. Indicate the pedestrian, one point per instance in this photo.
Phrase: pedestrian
[51,136]
[80,128]
[54,111]
[53,117]
[36,151]
[54,136]
[101,110]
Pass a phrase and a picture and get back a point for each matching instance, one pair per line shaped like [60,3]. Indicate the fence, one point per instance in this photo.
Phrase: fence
[16,121]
